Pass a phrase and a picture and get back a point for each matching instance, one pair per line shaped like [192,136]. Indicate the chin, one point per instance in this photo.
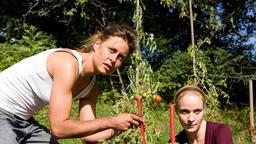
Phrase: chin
[191,130]
[105,72]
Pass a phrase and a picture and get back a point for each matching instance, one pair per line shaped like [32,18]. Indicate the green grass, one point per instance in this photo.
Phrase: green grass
[237,119]
[42,117]
[103,110]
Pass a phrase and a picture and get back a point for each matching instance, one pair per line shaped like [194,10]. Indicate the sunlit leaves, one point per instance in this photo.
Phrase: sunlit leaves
[32,42]
[168,3]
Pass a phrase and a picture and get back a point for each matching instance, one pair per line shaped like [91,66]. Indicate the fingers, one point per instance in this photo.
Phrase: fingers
[136,120]
[126,120]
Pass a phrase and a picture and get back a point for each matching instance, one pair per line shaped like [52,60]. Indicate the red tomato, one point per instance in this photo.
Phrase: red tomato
[242,139]
[157,99]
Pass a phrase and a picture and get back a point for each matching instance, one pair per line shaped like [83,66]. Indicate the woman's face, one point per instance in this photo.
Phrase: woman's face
[191,111]
[110,54]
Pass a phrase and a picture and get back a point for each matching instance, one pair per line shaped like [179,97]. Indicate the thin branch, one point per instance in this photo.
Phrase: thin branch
[122,83]
[30,10]
[244,77]
[111,82]
[192,40]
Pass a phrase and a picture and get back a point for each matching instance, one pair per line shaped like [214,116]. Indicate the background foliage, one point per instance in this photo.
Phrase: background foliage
[224,50]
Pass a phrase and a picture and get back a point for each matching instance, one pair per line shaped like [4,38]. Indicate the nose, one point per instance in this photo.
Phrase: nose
[190,118]
[113,57]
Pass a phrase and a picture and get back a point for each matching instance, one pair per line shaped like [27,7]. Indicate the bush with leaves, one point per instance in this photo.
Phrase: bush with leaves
[32,42]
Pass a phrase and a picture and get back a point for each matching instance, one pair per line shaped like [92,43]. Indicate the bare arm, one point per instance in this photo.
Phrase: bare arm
[64,70]
[120,123]
[87,107]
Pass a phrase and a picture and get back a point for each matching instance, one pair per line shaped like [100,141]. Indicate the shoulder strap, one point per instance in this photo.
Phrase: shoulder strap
[86,91]
[75,54]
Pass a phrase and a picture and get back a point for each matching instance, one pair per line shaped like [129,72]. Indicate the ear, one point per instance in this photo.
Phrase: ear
[96,45]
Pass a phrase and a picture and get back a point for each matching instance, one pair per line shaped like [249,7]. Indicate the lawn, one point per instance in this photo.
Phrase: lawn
[237,119]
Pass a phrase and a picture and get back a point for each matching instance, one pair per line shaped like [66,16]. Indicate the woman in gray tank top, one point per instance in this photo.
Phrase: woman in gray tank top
[55,77]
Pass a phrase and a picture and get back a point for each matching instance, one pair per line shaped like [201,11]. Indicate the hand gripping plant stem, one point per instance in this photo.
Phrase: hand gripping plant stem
[138,98]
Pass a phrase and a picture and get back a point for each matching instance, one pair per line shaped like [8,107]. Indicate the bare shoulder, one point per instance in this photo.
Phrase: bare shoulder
[61,61]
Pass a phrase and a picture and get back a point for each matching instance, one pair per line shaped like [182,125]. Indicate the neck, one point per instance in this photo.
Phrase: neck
[198,136]
[88,69]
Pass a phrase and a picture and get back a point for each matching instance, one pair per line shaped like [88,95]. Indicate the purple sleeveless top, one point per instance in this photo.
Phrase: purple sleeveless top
[216,133]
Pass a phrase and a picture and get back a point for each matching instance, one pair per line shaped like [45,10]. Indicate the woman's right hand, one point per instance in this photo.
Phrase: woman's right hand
[125,121]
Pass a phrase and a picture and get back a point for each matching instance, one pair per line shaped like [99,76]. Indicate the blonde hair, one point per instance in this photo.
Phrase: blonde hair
[123,31]
[188,89]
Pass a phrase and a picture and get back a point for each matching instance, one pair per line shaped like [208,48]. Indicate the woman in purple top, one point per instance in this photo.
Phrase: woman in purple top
[190,106]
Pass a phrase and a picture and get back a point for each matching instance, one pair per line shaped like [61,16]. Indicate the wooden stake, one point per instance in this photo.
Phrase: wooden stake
[251,110]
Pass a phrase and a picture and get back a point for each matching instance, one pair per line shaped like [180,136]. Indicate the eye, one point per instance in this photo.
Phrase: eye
[121,57]
[111,50]
[198,111]
[184,112]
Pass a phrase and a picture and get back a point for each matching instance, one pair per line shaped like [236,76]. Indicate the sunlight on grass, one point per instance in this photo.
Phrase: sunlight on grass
[236,119]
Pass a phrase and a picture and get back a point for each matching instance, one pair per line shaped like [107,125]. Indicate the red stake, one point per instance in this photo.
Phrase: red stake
[172,128]
[138,98]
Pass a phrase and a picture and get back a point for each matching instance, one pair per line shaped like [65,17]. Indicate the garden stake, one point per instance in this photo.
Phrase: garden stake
[172,128]
[138,98]
[251,126]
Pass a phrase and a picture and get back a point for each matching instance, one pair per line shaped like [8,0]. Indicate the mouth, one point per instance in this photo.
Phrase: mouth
[190,126]
[109,66]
